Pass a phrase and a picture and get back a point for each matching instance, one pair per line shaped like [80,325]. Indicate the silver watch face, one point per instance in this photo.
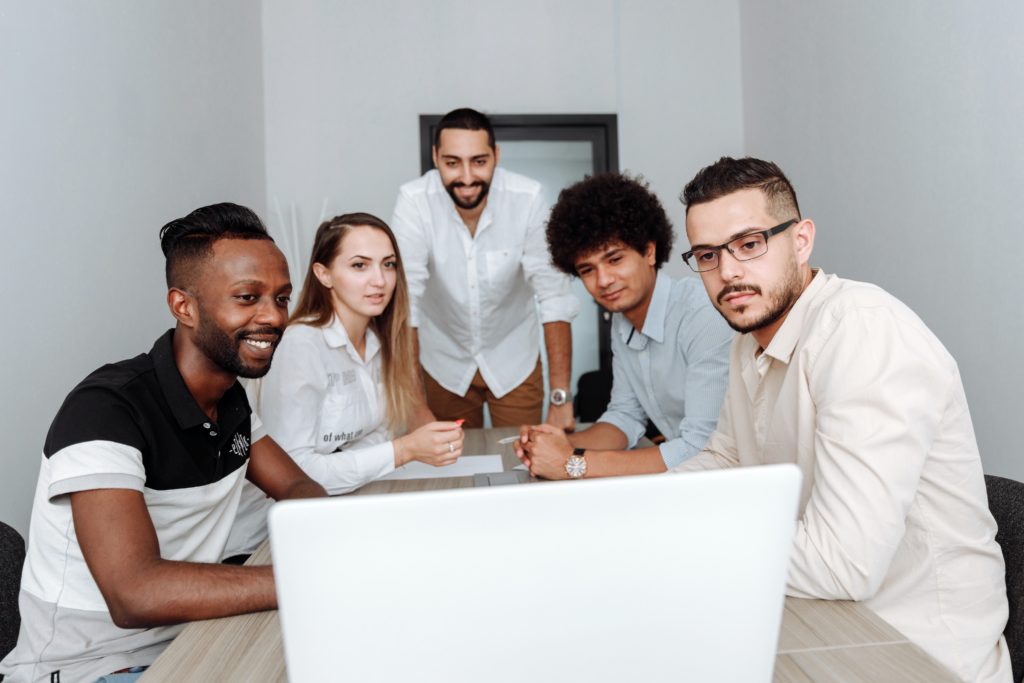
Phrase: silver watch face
[559,397]
[576,466]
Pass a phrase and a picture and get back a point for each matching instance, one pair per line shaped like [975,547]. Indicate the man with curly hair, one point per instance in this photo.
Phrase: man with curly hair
[670,348]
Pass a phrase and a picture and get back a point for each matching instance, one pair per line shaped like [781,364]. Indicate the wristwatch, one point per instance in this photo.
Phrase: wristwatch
[559,397]
[576,465]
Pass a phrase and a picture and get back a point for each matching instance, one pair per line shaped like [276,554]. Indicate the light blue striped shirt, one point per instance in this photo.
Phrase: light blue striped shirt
[673,372]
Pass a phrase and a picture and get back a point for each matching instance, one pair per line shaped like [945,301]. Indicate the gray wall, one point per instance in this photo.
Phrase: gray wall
[898,122]
[900,125]
[116,117]
[346,82]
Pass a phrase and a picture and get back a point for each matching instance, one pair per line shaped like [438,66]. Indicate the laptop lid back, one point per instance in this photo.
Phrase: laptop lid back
[654,578]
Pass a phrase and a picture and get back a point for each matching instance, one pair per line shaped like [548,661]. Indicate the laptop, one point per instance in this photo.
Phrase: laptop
[676,577]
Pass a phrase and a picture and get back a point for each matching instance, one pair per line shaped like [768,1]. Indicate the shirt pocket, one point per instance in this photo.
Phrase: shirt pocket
[344,418]
[502,266]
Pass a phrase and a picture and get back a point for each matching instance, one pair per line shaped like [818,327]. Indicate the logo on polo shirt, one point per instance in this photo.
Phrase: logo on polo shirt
[240,446]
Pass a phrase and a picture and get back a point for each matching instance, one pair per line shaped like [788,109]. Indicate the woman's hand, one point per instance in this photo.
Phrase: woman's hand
[435,443]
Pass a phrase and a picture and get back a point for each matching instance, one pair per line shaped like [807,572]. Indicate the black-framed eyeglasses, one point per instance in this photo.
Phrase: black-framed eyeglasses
[743,248]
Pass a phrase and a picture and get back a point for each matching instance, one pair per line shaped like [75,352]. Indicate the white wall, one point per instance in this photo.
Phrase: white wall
[346,82]
[900,125]
[116,117]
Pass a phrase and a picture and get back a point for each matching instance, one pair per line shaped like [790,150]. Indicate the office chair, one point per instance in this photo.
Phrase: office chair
[1006,501]
[12,557]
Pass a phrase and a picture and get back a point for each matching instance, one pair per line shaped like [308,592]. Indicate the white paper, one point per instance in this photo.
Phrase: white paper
[466,466]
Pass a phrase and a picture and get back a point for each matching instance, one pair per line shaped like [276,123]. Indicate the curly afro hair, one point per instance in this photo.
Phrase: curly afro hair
[606,208]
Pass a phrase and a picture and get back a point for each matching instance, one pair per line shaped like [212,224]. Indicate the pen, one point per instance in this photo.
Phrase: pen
[508,439]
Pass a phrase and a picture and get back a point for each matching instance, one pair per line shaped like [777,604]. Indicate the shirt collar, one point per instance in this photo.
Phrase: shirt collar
[783,344]
[183,405]
[654,322]
[336,337]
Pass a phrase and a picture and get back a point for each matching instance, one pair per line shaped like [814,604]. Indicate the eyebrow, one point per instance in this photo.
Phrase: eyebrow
[455,157]
[734,236]
[610,252]
[370,258]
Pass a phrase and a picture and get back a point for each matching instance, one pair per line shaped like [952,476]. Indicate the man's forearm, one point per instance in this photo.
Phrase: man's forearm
[558,344]
[304,489]
[608,456]
[175,592]
[618,463]
[600,435]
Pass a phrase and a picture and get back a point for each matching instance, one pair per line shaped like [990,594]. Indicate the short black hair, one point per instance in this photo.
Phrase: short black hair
[464,119]
[187,242]
[606,208]
[728,175]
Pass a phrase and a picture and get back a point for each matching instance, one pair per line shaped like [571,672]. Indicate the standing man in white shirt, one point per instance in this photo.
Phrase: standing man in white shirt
[472,241]
[844,380]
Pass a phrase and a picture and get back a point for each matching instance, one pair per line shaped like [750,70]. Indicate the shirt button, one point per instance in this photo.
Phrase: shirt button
[206,424]
[213,433]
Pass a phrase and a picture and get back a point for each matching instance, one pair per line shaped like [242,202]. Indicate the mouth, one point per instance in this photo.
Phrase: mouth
[612,296]
[737,295]
[262,343]
[738,299]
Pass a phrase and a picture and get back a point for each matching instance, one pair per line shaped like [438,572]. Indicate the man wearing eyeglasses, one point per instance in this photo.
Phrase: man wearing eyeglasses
[844,380]
[670,349]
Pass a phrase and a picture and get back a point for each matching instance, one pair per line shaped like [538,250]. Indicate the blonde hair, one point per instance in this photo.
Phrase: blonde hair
[315,308]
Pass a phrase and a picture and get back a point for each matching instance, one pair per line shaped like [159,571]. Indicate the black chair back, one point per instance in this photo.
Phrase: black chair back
[1006,501]
[12,558]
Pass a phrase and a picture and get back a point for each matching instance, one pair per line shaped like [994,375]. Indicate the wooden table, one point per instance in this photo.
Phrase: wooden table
[821,640]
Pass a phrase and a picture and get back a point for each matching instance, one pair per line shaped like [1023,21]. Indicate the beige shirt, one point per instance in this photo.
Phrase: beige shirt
[858,393]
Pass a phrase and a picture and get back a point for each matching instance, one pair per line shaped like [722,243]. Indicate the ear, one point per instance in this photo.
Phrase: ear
[323,275]
[803,240]
[497,153]
[183,307]
[650,253]
[433,155]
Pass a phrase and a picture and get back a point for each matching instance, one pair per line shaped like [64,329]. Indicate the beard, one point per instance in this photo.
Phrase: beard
[223,349]
[485,187]
[780,299]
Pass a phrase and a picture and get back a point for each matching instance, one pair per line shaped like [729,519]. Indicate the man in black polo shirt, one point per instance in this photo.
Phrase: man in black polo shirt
[143,467]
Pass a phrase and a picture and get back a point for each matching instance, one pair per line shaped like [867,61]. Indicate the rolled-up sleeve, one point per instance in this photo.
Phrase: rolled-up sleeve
[407,224]
[555,299]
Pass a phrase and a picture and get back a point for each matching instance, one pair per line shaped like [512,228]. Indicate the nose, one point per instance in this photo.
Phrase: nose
[377,276]
[605,277]
[466,173]
[270,314]
[729,266]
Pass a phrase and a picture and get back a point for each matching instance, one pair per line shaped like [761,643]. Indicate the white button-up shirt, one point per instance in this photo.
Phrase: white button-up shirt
[856,391]
[325,406]
[472,297]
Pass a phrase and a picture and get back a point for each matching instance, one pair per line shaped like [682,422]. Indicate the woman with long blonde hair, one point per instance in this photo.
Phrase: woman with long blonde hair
[344,378]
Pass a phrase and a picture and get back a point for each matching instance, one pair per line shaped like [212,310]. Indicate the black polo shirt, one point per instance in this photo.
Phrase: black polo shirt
[144,403]
[130,425]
